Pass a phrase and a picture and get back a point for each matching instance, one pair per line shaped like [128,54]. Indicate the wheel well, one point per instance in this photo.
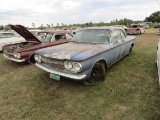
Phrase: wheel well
[32,60]
[104,62]
[132,44]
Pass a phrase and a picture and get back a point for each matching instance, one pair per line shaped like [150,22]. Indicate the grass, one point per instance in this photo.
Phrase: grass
[130,91]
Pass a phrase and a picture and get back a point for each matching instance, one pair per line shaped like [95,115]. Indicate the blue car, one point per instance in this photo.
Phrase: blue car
[87,56]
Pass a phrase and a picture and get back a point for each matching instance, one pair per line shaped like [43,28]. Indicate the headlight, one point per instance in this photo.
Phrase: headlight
[17,55]
[77,67]
[74,67]
[70,65]
[4,51]
[37,58]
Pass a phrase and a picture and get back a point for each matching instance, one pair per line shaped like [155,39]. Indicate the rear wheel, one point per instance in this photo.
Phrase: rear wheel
[130,49]
[139,32]
[97,74]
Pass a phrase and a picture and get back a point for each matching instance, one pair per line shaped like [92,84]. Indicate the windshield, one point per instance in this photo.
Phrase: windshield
[92,36]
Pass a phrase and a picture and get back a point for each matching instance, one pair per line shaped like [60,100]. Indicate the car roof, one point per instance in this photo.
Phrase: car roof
[102,28]
[55,31]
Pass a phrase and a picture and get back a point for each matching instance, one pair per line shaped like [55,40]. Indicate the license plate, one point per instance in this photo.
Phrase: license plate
[53,76]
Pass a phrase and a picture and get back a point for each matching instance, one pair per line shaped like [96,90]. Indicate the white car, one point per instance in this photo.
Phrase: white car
[5,35]
[16,38]
[158,61]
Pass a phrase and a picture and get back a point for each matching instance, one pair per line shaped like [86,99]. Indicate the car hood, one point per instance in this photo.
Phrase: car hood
[24,33]
[71,51]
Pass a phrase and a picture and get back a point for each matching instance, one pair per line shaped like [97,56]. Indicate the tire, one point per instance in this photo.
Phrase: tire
[130,50]
[139,32]
[97,75]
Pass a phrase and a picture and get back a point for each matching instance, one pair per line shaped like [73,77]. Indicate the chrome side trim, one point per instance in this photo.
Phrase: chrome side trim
[13,59]
[76,77]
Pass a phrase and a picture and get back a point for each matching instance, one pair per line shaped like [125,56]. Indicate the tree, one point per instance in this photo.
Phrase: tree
[48,25]
[52,25]
[33,25]
[1,27]
[154,17]
[7,27]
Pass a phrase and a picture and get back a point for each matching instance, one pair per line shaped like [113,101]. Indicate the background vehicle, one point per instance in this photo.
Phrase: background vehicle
[6,34]
[21,52]
[135,29]
[16,38]
[158,61]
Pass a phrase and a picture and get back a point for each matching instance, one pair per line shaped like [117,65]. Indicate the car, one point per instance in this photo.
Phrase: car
[135,29]
[158,61]
[16,38]
[21,52]
[159,32]
[6,34]
[87,56]
[156,25]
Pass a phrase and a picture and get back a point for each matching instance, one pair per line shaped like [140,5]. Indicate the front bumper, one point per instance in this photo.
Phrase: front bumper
[71,76]
[13,59]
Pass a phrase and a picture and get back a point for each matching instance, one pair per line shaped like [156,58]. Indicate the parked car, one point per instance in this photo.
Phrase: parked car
[16,38]
[159,32]
[6,34]
[87,56]
[156,25]
[21,52]
[158,61]
[146,26]
[135,29]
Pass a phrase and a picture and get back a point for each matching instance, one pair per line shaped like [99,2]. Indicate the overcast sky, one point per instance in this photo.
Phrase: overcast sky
[26,12]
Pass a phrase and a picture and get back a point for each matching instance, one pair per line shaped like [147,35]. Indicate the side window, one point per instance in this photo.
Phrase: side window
[60,36]
[68,36]
[115,35]
[123,36]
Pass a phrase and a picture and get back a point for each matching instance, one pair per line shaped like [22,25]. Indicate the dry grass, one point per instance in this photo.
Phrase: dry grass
[130,91]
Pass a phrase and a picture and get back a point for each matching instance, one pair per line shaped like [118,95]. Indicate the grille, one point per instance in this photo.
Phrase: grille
[52,61]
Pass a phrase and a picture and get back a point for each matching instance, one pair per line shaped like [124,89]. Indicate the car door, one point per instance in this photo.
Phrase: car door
[118,46]
[124,42]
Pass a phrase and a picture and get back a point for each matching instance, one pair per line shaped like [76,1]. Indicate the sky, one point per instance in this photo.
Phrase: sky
[26,12]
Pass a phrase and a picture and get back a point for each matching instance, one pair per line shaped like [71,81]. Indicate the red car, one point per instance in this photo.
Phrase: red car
[21,52]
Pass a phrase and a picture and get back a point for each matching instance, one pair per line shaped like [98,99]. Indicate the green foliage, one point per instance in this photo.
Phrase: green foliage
[154,17]
[125,21]
[6,27]
[1,27]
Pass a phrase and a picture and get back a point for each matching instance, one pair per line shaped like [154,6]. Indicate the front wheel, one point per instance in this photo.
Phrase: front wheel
[97,75]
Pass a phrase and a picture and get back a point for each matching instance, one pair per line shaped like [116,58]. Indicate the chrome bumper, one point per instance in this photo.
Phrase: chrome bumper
[76,77]
[13,59]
